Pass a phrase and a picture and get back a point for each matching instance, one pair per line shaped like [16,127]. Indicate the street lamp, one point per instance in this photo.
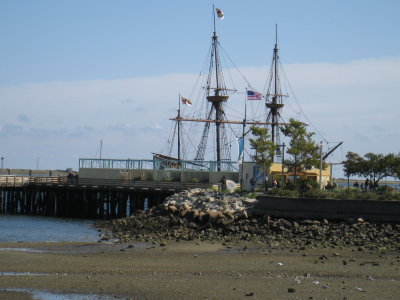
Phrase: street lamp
[2,159]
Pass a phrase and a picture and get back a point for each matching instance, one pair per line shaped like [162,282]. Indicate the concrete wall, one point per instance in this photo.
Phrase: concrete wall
[147,175]
[245,174]
[158,175]
[100,173]
[135,174]
[195,176]
[167,175]
[215,177]
[328,208]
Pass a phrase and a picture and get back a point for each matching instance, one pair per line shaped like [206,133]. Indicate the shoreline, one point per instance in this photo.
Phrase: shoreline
[200,270]
[179,251]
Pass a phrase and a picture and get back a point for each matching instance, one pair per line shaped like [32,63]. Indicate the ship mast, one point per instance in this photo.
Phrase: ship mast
[216,96]
[274,100]
[179,127]
[217,99]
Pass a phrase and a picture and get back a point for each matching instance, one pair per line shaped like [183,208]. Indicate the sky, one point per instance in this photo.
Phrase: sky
[74,73]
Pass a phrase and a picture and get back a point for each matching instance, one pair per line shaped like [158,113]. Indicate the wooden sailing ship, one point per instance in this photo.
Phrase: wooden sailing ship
[215,119]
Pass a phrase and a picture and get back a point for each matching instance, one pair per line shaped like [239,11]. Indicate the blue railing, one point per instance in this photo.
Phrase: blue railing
[158,164]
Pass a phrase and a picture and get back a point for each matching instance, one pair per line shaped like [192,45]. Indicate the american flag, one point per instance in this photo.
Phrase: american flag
[251,95]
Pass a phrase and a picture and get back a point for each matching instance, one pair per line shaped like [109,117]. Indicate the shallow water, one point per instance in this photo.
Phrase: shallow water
[22,274]
[43,295]
[45,229]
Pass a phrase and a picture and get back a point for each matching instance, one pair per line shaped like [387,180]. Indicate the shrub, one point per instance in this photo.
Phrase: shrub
[300,184]
[283,193]
[340,194]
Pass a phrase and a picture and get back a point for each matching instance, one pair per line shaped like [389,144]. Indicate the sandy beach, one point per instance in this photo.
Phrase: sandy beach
[198,270]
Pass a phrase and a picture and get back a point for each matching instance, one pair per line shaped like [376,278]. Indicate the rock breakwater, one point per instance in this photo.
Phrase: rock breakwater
[208,215]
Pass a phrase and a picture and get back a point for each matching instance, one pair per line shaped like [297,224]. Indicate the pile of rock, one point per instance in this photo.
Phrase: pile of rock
[208,215]
[201,205]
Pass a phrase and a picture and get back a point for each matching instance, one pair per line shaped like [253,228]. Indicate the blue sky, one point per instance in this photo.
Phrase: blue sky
[73,73]
[46,41]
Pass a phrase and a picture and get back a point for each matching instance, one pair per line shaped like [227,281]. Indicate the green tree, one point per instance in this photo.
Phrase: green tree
[395,167]
[378,166]
[303,152]
[373,166]
[352,164]
[264,148]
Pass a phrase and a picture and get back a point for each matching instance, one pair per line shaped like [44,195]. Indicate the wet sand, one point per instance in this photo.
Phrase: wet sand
[200,270]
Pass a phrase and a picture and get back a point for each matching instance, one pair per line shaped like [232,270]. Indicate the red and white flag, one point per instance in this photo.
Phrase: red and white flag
[220,13]
[186,101]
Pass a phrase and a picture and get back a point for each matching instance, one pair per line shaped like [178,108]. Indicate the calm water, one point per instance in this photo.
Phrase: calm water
[43,295]
[44,229]
[41,229]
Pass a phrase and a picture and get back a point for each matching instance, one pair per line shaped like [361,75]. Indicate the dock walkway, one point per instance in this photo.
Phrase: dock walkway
[83,198]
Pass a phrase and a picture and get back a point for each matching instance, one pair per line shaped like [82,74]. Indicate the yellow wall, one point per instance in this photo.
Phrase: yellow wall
[276,170]
[246,172]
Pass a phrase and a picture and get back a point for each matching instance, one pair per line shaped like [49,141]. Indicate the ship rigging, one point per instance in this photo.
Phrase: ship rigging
[214,119]
[217,96]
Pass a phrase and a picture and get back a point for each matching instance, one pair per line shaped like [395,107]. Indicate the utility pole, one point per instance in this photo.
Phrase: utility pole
[320,166]
[283,168]
[243,134]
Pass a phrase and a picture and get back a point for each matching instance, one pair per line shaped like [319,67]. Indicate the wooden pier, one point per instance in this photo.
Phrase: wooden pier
[83,198]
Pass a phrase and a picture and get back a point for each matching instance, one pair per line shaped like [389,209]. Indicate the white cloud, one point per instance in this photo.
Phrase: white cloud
[355,102]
